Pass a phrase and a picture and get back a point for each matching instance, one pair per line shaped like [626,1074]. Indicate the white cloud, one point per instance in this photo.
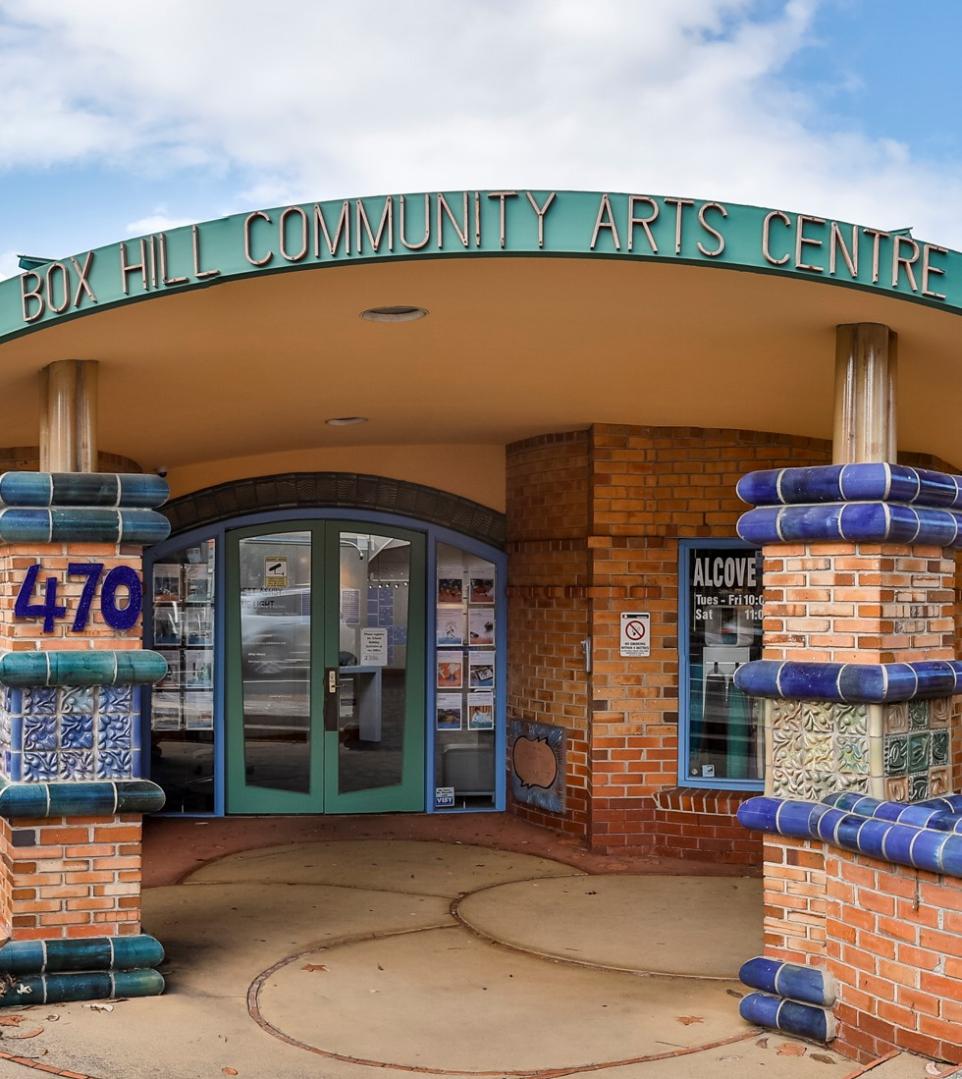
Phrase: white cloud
[158,221]
[673,97]
[9,267]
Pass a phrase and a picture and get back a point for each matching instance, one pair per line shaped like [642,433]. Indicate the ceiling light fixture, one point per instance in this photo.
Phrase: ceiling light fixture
[396,313]
[345,421]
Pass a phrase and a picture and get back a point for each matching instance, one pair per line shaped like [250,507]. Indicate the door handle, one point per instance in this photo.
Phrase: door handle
[330,699]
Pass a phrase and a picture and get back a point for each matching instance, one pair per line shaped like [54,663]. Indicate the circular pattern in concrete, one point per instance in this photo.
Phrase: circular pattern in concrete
[694,926]
[444,1000]
[394,865]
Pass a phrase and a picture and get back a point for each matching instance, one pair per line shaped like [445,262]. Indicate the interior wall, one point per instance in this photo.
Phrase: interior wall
[474,470]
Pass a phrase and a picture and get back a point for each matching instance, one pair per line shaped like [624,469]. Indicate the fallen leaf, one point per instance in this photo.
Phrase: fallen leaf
[100,1007]
[823,1058]
[762,1043]
[791,1049]
[313,967]
[230,1071]
[26,1034]
[379,967]
[734,993]
[10,1020]
[687,1020]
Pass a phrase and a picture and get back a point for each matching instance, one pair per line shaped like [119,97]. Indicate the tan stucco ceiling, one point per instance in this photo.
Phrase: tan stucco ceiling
[512,347]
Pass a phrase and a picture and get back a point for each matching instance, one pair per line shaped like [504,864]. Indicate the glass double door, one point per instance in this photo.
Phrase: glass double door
[325,668]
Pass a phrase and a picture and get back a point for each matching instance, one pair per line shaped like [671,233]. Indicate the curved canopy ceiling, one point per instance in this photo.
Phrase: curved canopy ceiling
[615,313]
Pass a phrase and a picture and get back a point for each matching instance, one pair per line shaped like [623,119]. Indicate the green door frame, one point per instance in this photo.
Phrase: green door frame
[322,795]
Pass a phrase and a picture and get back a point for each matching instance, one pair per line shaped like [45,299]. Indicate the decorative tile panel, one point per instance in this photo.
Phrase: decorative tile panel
[896,751]
[70,733]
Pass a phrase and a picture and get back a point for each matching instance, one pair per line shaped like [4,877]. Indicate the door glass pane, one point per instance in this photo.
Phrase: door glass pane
[375,574]
[182,705]
[275,609]
[464,721]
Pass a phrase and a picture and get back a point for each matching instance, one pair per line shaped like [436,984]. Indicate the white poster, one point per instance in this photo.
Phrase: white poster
[374,647]
[350,606]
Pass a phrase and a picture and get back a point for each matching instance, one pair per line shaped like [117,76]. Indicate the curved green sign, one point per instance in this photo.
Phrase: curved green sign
[488,223]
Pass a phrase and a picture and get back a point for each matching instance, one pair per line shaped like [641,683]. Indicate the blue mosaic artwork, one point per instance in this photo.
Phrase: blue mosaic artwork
[70,733]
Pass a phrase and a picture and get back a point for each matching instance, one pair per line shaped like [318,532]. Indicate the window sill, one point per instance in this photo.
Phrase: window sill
[722,803]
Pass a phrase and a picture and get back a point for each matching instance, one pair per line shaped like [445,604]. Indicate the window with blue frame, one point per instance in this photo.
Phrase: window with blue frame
[464,718]
[721,628]
[182,705]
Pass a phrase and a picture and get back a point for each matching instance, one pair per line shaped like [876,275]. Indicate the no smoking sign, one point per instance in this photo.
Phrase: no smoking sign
[635,633]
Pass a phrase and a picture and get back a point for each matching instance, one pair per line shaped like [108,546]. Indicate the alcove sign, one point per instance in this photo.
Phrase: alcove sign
[635,633]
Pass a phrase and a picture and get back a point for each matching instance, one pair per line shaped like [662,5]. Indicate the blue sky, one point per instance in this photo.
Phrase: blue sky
[120,118]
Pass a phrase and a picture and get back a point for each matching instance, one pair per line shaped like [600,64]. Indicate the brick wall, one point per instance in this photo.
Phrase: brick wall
[593,523]
[70,877]
[16,560]
[859,603]
[892,936]
[594,519]
[549,616]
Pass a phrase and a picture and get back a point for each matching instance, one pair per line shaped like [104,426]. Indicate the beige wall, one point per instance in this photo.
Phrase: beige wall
[474,471]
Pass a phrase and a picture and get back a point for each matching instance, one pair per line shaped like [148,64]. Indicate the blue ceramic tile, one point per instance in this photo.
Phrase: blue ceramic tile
[39,733]
[847,831]
[871,838]
[144,490]
[25,488]
[77,732]
[76,700]
[114,764]
[85,489]
[40,701]
[76,765]
[862,682]
[143,526]
[898,844]
[88,523]
[117,699]
[38,767]
[114,732]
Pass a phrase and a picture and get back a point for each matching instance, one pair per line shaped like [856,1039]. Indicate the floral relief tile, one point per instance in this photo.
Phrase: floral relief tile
[40,701]
[817,716]
[819,751]
[39,767]
[114,732]
[114,764]
[77,765]
[852,752]
[77,732]
[851,719]
[40,732]
[116,699]
[77,699]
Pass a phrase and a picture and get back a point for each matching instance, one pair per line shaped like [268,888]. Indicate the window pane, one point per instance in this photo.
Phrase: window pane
[275,605]
[182,705]
[465,690]
[725,630]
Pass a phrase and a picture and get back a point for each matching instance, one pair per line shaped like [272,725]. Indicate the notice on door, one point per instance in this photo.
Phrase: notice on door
[635,633]
[275,571]
[374,647]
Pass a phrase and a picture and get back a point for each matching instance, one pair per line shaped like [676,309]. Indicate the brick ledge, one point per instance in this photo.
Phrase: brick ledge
[720,803]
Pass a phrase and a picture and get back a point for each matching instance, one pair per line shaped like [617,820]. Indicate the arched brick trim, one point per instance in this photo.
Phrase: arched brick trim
[313,490]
